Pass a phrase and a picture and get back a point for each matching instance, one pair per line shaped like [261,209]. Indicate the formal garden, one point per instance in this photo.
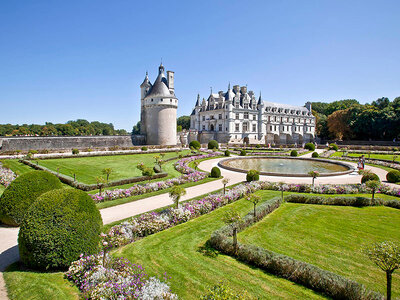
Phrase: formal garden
[251,240]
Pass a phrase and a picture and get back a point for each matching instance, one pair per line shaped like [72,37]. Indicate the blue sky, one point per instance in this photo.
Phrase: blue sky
[64,60]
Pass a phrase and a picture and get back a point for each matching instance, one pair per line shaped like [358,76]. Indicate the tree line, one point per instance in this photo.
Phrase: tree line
[79,127]
[350,120]
[182,123]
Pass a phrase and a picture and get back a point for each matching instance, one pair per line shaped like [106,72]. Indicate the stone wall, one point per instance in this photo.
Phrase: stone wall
[69,142]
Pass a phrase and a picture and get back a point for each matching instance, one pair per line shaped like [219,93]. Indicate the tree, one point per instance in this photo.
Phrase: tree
[373,185]
[233,219]
[313,174]
[176,193]
[196,164]
[225,181]
[107,172]
[338,124]
[183,121]
[386,255]
[100,183]
[255,199]
[136,128]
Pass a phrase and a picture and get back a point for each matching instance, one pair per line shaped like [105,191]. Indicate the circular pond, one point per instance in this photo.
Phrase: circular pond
[277,166]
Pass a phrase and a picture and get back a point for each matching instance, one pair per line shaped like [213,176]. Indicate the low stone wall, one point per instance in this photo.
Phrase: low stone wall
[69,142]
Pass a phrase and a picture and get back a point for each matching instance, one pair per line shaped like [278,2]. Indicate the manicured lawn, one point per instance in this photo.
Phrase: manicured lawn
[24,284]
[330,237]
[388,157]
[124,166]
[2,188]
[17,167]
[177,252]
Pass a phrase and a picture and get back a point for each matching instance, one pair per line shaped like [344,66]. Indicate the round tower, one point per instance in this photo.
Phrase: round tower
[160,105]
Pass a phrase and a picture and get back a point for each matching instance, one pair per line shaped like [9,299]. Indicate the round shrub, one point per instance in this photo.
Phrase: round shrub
[333,146]
[393,176]
[213,144]
[309,146]
[195,144]
[293,153]
[227,153]
[252,175]
[258,146]
[215,172]
[144,148]
[22,192]
[369,176]
[75,151]
[157,169]
[242,152]
[315,154]
[57,228]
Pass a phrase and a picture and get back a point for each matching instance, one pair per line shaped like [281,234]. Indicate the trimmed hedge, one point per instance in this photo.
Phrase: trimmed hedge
[294,153]
[215,172]
[315,155]
[393,176]
[369,176]
[308,275]
[309,146]
[213,144]
[195,144]
[22,192]
[333,146]
[57,228]
[243,152]
[252,175]
[227,153]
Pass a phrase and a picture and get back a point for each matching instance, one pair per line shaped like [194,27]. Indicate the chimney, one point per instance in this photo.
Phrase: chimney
[170,77]
[236,88]
[308,106]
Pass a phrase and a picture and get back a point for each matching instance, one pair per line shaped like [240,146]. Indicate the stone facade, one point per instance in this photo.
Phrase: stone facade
[236,116]
[158,109]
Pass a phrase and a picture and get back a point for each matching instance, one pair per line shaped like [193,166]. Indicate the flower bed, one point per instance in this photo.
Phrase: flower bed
[6,176]
[189,175]
[374,161]
[99,277]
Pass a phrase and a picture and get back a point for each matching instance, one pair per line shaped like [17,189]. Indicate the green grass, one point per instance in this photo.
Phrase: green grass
[388,157]
[176,251]
[124,166]
[28,284]
[330,237]
[2,188]
[17,167]
[380,196]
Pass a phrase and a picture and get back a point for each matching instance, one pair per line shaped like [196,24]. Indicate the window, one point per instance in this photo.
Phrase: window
[212,117]
[254,117]
[237,116]
[270,127]
[237,104]
[275,127]
[246,106]
[237,127]
[204,118]
[245,127]
[246,115]
[220,116]
[254,127]
[204,127]
[220,127]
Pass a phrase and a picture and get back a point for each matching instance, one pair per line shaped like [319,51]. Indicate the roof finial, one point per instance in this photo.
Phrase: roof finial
[229,85]
[147,73]
[210,89]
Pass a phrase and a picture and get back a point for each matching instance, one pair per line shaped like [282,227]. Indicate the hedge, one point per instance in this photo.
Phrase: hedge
[57,228]
[213,144]
[22,192]
[309,146]
[393,176]
[227,153]
[369,176]
[308,275]
[252,175]
[195,144]
[215,172]
[294,153]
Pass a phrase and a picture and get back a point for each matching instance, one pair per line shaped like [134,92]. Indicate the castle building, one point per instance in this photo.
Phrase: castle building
[236,116]
[158,105]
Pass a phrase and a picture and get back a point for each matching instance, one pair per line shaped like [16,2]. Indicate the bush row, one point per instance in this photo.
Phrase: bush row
[342,201]
[308,275]
[90,187]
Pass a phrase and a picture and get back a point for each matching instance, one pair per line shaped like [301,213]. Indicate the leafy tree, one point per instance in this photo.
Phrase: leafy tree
[100,183]
[373,185]
[233,219]
[338,124]
[107,172]
[176,193]
[255,199]
[381,103]
[184,121]
[386,255]
[225,181]
[313,174]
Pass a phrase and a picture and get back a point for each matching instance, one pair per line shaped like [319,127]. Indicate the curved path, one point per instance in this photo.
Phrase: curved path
[9,236]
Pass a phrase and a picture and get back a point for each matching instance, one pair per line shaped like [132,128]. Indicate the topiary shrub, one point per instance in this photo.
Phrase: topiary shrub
[309,146]
[157,169]
[213,144]
[195,144]
[315,155]
[22,192]
[293,153]
[75,151]
[215,172]
[368,176]
[393,176]
[227,153]
[333,146]
[57,228]
[252,175]
[258,146]
[144,148]
[242,152]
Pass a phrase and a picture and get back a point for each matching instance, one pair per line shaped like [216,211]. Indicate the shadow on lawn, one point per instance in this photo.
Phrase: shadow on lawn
[207,250]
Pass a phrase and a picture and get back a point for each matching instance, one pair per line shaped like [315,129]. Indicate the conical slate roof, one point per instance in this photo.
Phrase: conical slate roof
[160,87]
